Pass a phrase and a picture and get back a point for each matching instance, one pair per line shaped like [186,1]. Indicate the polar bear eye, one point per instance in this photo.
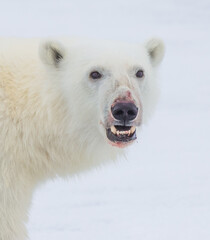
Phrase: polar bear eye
[95,75]
[140,74]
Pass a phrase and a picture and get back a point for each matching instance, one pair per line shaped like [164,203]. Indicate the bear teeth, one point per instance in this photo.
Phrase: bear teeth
[117,132]
[113,129]
[132,130]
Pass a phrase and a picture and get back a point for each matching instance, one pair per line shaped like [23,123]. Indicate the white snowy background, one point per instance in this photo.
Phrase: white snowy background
[162,190]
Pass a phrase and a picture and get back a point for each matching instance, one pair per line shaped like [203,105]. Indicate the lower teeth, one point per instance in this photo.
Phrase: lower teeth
[116,132]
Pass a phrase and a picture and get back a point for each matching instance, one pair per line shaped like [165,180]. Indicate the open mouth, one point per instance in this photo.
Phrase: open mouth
[122,134]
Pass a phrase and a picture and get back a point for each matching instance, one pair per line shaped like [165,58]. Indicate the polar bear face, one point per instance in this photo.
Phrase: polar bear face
[110,88]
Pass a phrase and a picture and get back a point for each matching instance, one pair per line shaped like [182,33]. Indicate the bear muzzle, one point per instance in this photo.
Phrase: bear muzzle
[125,118]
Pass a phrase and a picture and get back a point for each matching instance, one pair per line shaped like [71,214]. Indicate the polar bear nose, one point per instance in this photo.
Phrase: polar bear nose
[124,111]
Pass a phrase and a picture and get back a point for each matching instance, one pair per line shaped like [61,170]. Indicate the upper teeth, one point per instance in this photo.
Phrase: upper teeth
[133,129]
[113,129]
[129,132]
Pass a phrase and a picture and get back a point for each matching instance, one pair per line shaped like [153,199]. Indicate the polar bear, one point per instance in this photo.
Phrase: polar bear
[65,107]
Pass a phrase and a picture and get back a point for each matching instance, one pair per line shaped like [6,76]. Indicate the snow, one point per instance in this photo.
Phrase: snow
[162,190]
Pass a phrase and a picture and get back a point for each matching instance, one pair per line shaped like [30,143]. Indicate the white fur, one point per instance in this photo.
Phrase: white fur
[52,116]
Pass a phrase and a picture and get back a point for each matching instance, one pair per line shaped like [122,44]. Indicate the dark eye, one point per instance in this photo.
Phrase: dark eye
[140,74]
[95,75]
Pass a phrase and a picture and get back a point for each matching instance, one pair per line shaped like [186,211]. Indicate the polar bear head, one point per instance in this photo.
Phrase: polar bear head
[110,88]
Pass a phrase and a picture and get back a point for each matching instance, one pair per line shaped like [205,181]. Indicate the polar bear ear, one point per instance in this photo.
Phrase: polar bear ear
[155,48]
[52,53]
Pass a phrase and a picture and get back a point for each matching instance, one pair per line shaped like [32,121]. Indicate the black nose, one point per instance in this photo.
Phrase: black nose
[124,111]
